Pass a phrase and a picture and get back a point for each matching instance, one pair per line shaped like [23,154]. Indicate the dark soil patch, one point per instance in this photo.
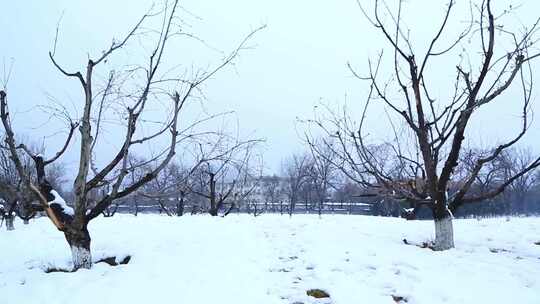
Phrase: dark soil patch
[399,299]
[112,261]
[317,293]
[427,245]
[284,270]
[57,269]
[498,250]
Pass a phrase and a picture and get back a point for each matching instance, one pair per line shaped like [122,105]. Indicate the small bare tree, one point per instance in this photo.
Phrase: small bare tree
[510,163]
[324,171]
[272,191]
[223,178]
[10,193]
[156,190]
[15,200]
[296,171]
[134,199]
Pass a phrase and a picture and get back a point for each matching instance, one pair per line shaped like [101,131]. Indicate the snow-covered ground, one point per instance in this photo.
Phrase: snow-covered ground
[275,259]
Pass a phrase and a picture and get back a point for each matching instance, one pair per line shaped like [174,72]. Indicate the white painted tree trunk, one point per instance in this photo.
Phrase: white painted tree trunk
[444,234]
[82,258]
[9,223]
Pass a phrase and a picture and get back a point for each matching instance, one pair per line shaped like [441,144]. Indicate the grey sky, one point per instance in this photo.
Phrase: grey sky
[298,61]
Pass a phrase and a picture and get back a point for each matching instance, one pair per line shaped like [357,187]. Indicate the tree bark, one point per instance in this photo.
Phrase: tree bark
[292,205]
[180,207]
[213,211]
[79,242]
[9,222]
[444,229]
[214,206]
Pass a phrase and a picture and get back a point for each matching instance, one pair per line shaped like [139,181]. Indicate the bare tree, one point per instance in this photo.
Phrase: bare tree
[272,191]
[346,193]
[511,162]
[132,91]
[15,200]
[296,171]
[183,180]
[248,190]
[10,193]
[323,172]
[429,130]
[223,178]
[173,189]
[156,190]
[137,163]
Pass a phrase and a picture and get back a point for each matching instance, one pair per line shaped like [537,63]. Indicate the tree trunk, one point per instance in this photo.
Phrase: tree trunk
[213,211]
[214,206]
[9,222]
[79,242]
[26,221]
[444,230]
[291,208]
[180,207]
[162,208]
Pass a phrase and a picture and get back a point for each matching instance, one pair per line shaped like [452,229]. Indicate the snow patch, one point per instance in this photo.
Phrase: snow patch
[275,259]
[58,200]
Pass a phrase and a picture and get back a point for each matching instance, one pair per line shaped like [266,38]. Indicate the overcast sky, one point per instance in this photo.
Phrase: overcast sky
[299,61]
